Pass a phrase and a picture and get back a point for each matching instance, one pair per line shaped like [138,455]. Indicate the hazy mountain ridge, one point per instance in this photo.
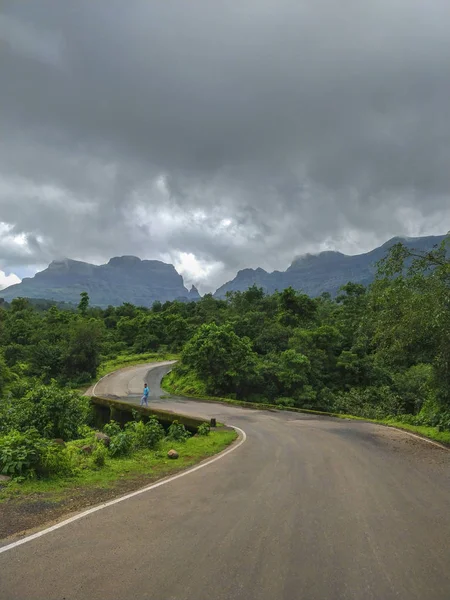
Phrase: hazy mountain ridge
[122,279]
[324,272]
[142,282]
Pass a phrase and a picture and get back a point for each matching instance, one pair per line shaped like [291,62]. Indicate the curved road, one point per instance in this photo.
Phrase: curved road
[308,508]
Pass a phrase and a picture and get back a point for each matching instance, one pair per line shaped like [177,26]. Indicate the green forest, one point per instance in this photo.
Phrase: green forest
[377,352]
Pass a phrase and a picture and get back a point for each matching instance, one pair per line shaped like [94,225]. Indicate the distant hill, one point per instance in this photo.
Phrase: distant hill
[325,272]
[142,282]
[122,279]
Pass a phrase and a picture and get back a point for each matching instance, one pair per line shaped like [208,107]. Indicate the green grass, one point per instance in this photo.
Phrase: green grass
[429,432]
[143,462]
[130,360]
[188,386]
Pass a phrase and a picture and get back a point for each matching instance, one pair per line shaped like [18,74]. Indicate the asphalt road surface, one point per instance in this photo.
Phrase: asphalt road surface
[308,508]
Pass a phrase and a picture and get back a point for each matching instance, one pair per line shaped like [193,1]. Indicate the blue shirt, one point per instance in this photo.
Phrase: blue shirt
[146,391]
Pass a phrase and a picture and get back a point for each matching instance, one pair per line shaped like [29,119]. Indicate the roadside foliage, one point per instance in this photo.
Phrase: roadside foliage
[376,352]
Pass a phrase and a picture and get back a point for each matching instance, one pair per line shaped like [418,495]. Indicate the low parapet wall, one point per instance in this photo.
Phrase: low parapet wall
[107,409]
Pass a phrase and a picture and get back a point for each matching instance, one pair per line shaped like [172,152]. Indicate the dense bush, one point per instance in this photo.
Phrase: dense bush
[146,435]
[178,432]
[122,443]
[153,433]
[20,452]
[29,454]
[203,429]
[56,460]
[99,455]
[112,428]
[53,411]
[135,435]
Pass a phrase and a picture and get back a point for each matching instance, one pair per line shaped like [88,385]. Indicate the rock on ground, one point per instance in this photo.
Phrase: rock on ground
[102,437]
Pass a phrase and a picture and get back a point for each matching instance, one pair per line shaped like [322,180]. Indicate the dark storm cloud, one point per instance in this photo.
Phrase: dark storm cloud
[243,133]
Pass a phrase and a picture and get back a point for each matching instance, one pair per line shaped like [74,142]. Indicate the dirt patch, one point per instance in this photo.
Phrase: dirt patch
[19,516]
[415,449]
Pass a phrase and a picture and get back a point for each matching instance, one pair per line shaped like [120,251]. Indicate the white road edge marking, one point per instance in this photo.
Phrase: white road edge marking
[400,430]
[131,495]
[418,437]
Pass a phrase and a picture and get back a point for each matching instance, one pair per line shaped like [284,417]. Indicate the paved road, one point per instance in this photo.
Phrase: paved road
[307,508]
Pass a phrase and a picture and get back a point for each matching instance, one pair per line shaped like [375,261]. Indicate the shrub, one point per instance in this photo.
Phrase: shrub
[84,431]
[122,443]
[112,428]
[177,432]
[146,435]
[139,433]
[56,460]
[19,385]
[414,386]
[285,401]
[53,411]
[99,455]
[203,429]
[20,452]
[155,432]
[370,402]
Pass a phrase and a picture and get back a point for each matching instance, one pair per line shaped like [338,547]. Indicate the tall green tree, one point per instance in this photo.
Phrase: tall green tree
[82,356]
[83,304]
[221,359]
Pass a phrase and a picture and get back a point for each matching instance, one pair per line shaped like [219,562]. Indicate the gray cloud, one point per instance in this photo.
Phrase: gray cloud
[240,133]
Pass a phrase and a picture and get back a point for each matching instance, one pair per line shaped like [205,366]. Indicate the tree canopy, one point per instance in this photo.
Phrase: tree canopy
[376,351]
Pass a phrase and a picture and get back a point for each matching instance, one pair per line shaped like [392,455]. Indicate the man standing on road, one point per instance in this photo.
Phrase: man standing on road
[144,399]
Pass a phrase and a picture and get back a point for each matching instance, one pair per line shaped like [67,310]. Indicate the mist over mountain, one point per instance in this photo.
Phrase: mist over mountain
[314,274]
[142,282]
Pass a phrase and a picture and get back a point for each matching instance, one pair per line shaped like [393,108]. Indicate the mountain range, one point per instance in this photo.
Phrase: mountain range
[314,274]
[122,279]
[142,282]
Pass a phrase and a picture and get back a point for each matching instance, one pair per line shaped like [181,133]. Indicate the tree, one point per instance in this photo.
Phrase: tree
[20,305]
[321,345]
[353,300]
[412,302]
[82,356]
[273,338]
[84,304]
[128,328]
[295,308]
[293,372]
[46,360]
[221,359]
[5,375]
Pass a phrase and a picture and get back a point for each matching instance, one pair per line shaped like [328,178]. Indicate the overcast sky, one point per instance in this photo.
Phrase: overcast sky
[220,135]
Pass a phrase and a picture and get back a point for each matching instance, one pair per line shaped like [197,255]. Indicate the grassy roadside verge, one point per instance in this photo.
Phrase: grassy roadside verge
[131,360]
[174,387]
[31,503]
[141,462]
